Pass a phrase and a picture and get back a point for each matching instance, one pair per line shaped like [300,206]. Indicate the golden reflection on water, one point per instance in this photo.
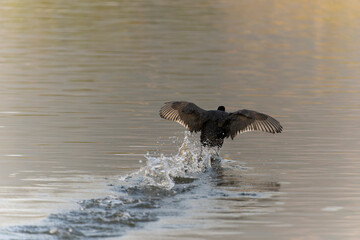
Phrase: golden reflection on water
[81,84]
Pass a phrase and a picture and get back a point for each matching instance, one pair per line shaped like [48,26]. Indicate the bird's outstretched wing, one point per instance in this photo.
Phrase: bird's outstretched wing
[186,113]
[247,120]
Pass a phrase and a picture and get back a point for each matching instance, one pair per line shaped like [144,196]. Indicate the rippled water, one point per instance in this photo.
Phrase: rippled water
[167,186]
[82,142]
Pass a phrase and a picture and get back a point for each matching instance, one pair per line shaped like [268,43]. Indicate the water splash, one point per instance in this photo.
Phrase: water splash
[165,171]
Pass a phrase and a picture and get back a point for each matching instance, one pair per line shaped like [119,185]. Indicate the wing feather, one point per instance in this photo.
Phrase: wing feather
[185,113]
[247,120]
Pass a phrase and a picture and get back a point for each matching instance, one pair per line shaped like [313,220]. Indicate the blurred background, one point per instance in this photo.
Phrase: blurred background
[81,84]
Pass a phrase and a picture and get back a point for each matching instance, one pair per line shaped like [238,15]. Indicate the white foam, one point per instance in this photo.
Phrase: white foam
[160,170]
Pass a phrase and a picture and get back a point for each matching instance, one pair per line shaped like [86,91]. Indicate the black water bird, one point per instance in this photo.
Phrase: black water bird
[216,125]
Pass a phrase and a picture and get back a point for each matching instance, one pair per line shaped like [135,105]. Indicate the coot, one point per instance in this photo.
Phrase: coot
[216,125]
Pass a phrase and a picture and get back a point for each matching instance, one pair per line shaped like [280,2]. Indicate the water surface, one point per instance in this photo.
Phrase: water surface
[82,83]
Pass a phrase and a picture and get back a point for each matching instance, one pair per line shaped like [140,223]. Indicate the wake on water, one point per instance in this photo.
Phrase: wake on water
[160,188]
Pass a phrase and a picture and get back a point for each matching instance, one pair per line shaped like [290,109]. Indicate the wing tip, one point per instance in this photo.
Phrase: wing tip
[173,111]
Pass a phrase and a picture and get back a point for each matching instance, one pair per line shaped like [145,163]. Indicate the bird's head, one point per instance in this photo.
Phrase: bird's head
[221,108]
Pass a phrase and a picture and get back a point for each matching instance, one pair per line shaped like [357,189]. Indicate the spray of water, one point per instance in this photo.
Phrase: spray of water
[162,171]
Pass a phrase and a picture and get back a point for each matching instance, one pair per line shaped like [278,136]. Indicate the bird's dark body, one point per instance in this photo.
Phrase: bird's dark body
[216,125]
[215,129]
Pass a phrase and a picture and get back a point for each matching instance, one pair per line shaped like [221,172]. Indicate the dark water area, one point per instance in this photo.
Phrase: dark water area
[85,155]
[167,187]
